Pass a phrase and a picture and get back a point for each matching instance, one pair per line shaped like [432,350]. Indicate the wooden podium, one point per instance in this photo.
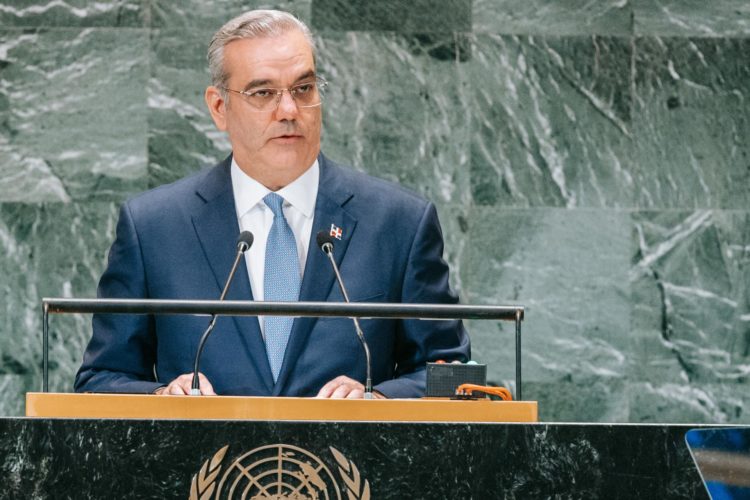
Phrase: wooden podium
[152,407]
[147,446]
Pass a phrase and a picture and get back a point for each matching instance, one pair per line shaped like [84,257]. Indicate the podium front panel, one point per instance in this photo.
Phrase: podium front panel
[163,459]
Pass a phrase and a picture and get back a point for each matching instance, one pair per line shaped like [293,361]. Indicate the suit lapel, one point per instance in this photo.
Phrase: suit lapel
[216,225]
[319,276]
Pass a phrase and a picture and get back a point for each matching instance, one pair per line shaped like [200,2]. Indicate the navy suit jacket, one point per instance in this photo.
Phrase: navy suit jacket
[178,242]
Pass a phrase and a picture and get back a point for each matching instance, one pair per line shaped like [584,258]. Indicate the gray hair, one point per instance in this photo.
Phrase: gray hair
[251,24]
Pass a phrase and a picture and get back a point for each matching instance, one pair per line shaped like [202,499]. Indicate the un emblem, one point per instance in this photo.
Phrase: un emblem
[277,472]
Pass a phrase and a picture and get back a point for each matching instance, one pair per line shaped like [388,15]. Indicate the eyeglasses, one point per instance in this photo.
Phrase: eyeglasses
[305,95]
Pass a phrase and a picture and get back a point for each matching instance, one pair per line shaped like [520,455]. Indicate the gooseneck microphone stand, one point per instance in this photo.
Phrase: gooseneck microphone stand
[325,242]
[244,241]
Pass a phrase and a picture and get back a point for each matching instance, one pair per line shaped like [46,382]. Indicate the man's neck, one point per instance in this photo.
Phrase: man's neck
[274,178]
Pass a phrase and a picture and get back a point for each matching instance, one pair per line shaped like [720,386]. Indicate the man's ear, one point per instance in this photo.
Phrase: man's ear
[217,106]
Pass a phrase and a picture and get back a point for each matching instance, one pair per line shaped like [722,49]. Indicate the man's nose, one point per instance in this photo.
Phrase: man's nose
[287,106]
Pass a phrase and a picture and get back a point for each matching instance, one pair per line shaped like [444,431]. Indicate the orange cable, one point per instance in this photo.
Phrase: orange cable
[468,389]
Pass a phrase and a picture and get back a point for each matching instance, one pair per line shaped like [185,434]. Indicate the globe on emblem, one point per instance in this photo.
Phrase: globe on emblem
[278,472]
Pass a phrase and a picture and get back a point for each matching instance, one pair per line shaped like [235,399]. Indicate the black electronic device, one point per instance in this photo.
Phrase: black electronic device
[444,378]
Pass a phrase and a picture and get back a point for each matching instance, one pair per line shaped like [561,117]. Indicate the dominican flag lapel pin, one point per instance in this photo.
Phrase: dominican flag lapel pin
[336,232]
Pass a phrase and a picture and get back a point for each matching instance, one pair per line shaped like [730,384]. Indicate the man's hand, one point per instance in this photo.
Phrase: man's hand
[182,384]
[343,387]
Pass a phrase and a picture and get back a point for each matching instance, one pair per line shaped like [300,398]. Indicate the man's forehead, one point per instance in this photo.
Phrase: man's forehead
[287,45]
[268,57]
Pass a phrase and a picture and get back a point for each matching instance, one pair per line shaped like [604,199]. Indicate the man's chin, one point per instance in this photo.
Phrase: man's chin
[288,160]
[290,155]
[284,167]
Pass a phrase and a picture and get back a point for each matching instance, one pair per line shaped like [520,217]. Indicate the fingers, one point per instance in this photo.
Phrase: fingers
[342,387]
[355,394]
[181,386]
[327,390]
[206,388]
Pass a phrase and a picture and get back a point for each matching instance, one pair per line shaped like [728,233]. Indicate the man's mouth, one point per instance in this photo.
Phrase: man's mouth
[287,137]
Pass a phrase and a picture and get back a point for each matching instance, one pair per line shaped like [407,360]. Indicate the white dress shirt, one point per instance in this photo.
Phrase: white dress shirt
[253,215]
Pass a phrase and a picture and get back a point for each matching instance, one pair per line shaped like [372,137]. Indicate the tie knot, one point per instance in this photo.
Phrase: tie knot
[274,202]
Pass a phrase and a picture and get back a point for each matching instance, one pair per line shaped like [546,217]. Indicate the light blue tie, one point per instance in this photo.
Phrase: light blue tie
[281,281]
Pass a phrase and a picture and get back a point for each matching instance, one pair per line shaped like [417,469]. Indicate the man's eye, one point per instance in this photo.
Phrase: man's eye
[303,88]
[261,93]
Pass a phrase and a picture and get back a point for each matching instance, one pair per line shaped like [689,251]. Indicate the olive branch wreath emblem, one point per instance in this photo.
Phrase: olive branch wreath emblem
[203,484]
[350,474]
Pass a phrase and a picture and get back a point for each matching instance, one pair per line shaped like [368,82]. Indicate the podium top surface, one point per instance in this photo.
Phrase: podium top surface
[137,406]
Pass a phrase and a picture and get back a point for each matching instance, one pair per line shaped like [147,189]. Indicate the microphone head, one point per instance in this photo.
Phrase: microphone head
[325,241]
[244,241]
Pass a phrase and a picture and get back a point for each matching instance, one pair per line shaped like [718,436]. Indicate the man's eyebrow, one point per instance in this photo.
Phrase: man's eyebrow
[305,76]
[257,83]
[266,82]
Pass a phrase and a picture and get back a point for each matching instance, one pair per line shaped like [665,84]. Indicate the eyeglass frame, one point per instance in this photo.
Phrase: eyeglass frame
[320,85]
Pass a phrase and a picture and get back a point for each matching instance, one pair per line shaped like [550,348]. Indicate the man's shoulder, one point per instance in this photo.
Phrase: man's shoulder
[207,182]
[370,190]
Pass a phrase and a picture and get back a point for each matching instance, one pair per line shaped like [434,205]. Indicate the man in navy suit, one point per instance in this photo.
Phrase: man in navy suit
[177,242]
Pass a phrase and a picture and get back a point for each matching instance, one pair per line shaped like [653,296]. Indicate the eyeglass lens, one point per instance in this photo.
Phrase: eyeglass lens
[304,94]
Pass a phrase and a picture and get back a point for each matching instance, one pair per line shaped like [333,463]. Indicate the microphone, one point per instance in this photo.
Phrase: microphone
[244,242]
[325,242]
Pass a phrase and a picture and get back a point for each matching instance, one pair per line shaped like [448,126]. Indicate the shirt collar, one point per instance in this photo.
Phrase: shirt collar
[301,193]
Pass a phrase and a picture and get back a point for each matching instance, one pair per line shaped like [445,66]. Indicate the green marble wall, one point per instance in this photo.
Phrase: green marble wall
[590,160]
